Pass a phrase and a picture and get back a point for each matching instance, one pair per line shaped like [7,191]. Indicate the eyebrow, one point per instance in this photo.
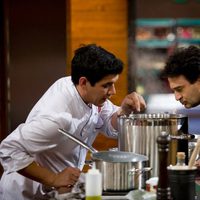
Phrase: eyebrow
[107,84]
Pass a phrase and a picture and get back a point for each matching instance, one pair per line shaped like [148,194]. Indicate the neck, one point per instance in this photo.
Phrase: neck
[81,93]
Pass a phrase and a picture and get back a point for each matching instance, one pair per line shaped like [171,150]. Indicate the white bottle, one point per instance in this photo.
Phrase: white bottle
[180,159]
[93,184]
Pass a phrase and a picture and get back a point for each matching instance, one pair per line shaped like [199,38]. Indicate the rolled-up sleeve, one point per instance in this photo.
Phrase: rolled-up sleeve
[104,122]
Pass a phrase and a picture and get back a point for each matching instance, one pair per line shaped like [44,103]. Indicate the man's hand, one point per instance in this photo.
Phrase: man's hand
[133,102]
[66,178]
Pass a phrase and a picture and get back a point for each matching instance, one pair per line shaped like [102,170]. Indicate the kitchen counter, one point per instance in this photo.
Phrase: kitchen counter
[114,197]
[133,195]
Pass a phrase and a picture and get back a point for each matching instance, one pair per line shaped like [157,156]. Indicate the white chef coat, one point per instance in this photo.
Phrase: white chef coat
[39,140]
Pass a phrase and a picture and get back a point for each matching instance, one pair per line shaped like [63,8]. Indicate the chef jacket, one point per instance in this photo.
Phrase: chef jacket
[38,138]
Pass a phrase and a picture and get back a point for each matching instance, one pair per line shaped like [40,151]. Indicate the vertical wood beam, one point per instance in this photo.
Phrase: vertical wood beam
[4,32]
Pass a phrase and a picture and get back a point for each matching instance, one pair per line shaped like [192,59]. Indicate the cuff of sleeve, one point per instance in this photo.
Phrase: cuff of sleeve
[114,132]
[120,112]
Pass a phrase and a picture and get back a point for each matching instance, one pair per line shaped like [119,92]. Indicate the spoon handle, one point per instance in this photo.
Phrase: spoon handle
[194,154]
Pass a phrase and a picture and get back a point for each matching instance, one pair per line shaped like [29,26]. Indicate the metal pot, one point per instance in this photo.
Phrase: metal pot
[138,134]
[121,171]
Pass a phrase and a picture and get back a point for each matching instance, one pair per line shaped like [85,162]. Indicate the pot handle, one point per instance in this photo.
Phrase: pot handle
[89,162]
[77,140]
[183,137]
[139,171]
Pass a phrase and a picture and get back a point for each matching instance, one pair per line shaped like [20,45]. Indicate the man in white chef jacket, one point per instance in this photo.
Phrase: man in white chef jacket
[35,156]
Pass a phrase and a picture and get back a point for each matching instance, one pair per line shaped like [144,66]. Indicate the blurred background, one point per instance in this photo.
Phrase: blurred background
[38,39]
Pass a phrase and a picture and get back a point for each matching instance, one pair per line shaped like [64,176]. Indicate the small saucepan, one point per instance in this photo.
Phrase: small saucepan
[121,171]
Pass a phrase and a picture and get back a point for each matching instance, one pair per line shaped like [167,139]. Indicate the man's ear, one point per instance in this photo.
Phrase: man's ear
[198,82]
[82,81]
[198,79]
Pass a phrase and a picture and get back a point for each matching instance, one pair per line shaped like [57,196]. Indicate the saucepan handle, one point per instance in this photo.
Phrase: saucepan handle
[77,140]
[183,137]
[90,163]
[139,171]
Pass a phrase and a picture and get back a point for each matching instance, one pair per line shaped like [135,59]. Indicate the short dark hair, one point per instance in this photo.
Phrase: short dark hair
[94,62]
[184,61]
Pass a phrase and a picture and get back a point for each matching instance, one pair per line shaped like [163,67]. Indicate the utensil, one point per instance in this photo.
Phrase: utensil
[138,133]
[77,140]
[194,154]
[108,156]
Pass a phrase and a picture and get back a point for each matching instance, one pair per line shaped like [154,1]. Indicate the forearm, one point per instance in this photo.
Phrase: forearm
[38,173]
[66,178]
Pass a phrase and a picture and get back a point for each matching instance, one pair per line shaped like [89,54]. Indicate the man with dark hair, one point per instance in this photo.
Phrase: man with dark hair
[35,156]
[182,70]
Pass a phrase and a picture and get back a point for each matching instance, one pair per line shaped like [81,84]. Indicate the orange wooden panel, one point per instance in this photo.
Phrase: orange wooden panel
[103,22]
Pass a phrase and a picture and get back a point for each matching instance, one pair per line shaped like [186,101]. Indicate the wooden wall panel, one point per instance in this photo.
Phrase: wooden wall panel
[3,69]
[103,22]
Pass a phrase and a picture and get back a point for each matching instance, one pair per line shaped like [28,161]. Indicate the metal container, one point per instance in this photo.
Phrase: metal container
[121,171]
[182,182]
[138,134]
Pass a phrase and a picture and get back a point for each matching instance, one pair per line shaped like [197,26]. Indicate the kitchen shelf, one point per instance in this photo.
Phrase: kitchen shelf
[154,33]
[171,25]
[187,22]
[188,41]
[153,43]
[155,22]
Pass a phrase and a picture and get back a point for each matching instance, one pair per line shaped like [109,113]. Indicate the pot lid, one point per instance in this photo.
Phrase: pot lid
[118,156]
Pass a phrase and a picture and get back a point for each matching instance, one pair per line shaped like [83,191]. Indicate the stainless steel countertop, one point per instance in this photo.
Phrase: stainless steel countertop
[114,197]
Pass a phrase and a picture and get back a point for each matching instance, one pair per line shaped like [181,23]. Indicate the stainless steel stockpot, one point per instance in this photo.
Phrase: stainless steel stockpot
[138,134]
[121,171]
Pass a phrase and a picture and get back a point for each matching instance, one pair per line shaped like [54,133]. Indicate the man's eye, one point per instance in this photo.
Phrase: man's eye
[107,85]
[179,89]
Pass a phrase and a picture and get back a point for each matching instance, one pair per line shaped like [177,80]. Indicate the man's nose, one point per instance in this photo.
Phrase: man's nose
[112,90]
[177,96]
